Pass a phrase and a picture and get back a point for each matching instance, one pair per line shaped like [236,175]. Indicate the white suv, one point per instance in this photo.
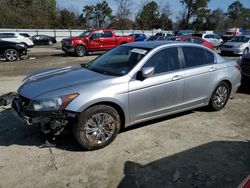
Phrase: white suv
[16,37]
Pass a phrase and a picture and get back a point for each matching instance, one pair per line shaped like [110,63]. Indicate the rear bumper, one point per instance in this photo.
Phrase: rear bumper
[31,46]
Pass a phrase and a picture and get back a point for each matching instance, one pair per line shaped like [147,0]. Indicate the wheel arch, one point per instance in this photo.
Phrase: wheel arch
[114,105]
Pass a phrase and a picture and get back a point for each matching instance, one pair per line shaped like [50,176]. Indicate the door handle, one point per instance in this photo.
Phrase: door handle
[212,69]
[177,77]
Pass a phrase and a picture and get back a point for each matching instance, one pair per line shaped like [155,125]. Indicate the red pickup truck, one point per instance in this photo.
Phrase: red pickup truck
[94,40]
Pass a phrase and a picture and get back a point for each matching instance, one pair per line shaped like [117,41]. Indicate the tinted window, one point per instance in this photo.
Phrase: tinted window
[164,60]
[96,35]
[7,35]
[107,34]
[187,40]
[208,36]
[195,56]
[197,41]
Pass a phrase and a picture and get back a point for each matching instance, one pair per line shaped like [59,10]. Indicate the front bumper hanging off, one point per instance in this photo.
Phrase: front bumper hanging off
[49,121]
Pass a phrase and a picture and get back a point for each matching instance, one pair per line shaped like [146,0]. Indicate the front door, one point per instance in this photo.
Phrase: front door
[160,93]
[95,41]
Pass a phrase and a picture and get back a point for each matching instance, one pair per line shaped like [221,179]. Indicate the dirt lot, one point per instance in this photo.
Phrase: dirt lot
[193,149]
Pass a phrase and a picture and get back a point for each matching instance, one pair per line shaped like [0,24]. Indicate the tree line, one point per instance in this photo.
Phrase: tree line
[195,15]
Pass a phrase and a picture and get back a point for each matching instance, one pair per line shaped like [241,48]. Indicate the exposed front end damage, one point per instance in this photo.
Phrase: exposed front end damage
[50,122]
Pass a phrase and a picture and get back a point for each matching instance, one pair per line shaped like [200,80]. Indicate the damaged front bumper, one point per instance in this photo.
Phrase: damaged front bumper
[48,121]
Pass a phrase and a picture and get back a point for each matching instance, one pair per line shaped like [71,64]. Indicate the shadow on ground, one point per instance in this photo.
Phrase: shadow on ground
[216,164]
[13,132]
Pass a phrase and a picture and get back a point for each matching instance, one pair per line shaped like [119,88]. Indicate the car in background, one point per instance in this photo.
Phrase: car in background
[157,38]
[245,69]
[16,37]
[164,34]
[239,45]
[43,40]
[231,33]
[12,51]
[193,39]
[96,40]
[212,38]
[184,33]
[139,36]
[129,84]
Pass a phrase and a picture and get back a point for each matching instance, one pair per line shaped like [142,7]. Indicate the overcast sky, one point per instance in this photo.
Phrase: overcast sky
[175,5]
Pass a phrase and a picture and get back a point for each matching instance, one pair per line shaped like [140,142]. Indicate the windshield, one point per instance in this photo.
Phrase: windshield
[119,61]
[85,33]
[240,39]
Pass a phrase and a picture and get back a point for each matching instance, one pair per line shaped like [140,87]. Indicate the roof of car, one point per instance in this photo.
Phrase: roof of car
[155,44]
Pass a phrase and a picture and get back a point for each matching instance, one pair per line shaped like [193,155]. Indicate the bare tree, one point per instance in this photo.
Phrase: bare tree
[123,9]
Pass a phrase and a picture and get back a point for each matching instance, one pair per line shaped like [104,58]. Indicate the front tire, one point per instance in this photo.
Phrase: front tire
[220,96]
[80,51]
[11,55]
[97,127]
[246,51]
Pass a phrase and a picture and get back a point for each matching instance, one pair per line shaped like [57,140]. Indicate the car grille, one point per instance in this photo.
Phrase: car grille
[66,43]
[227,46]
[245,70]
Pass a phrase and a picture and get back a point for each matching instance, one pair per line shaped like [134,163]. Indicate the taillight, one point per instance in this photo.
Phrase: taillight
[237,66]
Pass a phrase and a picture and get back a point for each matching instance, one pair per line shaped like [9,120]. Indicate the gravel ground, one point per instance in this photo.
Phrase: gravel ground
[197,148]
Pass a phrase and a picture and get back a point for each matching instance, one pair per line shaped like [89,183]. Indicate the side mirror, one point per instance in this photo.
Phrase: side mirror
[90,38]
[146,72]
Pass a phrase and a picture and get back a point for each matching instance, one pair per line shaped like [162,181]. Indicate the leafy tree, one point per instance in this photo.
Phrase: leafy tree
[235,12]
[193,9]
[218,20]
[97,15]
[66,19]
[148,18]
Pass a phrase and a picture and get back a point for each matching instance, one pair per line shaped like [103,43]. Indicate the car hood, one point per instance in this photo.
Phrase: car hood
[46,81]
[74,38]
[234,43]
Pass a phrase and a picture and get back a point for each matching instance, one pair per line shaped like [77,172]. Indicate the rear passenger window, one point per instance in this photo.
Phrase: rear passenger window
[195,56]
[7,35]
[164,60]
[107,34]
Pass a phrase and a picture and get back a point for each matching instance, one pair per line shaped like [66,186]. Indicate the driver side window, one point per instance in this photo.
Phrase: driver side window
[164,60]
[96,35]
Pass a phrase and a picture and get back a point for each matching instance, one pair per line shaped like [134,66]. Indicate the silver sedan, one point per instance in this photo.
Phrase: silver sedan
[132,83]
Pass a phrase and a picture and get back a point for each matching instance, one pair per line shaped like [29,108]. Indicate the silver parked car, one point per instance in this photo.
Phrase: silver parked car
[132,83]
[238,45]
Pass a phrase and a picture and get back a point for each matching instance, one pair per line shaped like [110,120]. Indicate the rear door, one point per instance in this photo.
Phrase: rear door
[160,93]
[108,40]
[199,75]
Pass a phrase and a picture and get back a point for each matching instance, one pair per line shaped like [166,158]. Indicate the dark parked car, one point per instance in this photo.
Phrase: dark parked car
[139,36]
[245,68]
[12,51]
[43,40]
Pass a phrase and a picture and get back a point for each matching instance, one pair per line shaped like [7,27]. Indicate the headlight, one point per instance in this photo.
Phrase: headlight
[58,103]
[238,46]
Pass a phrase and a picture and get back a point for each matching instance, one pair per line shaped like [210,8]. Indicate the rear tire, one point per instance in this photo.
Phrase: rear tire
[11,55]
[80,51]
[97,127]
[220,96]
